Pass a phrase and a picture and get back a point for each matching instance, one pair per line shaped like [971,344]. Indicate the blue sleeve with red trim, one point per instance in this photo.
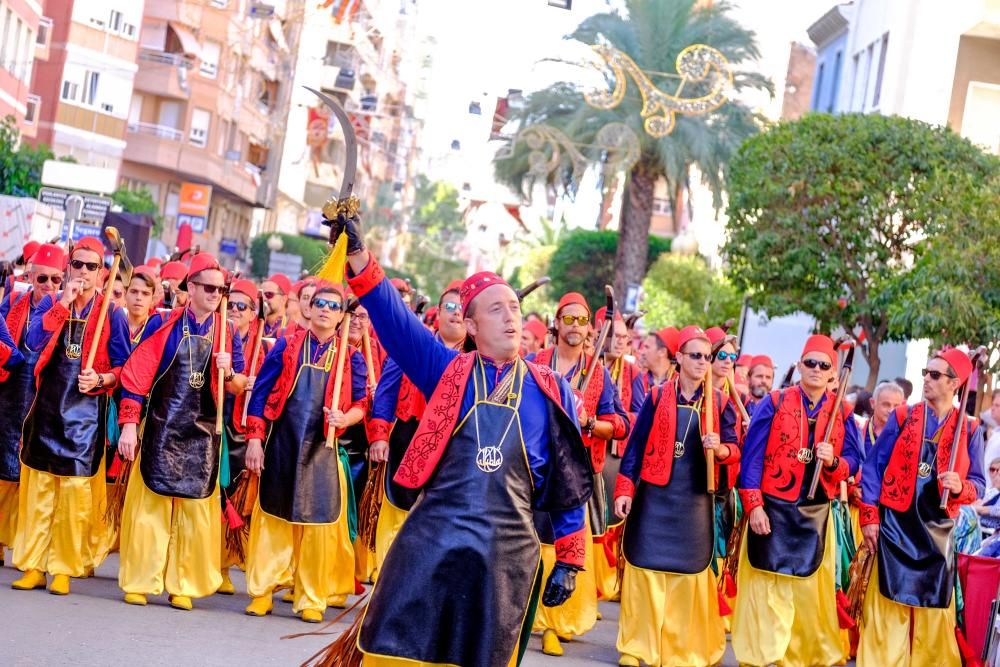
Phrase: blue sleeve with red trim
[359,376]
[878,460]
[387,392]
[755,444]
[270,370]
[976,475]
[727,425]
[37,336]
[631,465]
[851,451]
[119,341]
[638,394]
[16,358]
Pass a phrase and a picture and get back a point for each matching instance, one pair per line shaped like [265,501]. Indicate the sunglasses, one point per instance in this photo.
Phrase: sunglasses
[993,470]
[271,295]
[698,356]
[816,363]
[936,375]
[210,289]
[79,264]
[56,280]
[581,320]
[722,356]
[326,303]
[240,306]
[451,307]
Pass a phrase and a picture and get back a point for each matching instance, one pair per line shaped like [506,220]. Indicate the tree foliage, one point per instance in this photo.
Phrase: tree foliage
[850,218]
[312,251]
[434,232]
[684,290]
[20,164]
[140,201]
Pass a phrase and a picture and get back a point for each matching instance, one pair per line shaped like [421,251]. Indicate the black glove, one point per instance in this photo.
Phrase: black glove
[561,584]
[351,227]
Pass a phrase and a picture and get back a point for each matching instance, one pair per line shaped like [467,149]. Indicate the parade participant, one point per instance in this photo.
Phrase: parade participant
[533,336]
[60,527]
[786,611]
[299,533]
[397,409]
[909,609]
[138,305]
[17,390]
[173,274]
[404,289]
[299,319]
[516,449]
[670,605]
[170,538]
[604,419]
[724,357]
[293,307]
[761,380]
[276,290]
[741,372]
[657,354]
[118,292]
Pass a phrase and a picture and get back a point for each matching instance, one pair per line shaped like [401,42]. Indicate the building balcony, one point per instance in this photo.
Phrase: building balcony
[342,79]
[164,74]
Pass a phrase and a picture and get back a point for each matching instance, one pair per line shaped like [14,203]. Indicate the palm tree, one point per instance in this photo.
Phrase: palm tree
[652,33]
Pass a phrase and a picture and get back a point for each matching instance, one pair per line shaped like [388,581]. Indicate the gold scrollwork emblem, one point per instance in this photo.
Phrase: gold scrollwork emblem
[805,456]
[678,449]
[924,470]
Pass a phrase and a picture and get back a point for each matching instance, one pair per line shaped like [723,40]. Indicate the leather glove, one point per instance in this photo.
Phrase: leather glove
[351,227]
[561,584]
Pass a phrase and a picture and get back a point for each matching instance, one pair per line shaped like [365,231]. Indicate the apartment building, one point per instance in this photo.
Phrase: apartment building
[21,26]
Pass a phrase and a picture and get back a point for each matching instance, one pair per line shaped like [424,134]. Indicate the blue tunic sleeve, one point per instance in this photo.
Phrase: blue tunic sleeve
[878,460]
[638,394]
[852,451]
[755,444]
[119,341]
[38,337]
[16,358]
[270,370]
[387,392]
[359,376]
[566,522]
[631,465]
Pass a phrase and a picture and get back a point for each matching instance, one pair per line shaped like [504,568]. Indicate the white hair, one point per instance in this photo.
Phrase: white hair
[887,386]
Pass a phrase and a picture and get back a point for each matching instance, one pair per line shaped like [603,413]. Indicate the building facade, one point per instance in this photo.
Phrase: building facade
[829,34]
[21,26]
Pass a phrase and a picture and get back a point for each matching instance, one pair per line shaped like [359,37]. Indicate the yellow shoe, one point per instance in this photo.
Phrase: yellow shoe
[226,588]
[628,661]
[31,580]
[337,601]
[289,596]
[261,606]
[550,644]
[181,602]
[88,573]
[59,585]
[312,616]
[600,616]
[137,599]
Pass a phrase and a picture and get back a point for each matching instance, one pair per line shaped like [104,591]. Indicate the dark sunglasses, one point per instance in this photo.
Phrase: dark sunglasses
[451,307]
[79,264]
[240,306]
[816,363]
[326,303]
[581,320]
[698,356]
[722,356]
[56,280]
[271,295]
[993,470]
[210,289]
[936,375]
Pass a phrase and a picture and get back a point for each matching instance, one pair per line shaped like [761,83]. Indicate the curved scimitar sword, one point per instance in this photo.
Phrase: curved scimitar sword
[345,202]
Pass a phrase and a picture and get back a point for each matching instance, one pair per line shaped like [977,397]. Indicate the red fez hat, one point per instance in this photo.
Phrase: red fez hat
[283,282]
[822,344]
[744,360]
[50,256]
[154,262]
[536,329]
[959,362]
[570,298]
[762,360]
[669,336]
[453,286]
[602,314]
[174,271]
[715,335]
[145,270]
[326,286]
[690,333]
[297,286]
[476,283]
[29,250]
[89,243]
[244,286]
[400,284]
[203,261]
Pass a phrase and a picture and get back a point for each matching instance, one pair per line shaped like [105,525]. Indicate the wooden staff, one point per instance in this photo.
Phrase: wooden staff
[845,379]
[977,359]
[709,396]
[366,343]
[338,378]
[220,388]
[596,359]
[735,396]
[258,345]
[116,243]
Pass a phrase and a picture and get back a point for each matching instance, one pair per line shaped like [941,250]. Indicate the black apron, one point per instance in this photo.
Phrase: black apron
[397,495]
[16,395]
[612,464]
[916,550]
[457,582]
[65,430]
[671,528]
[797,541]
[180,451]
[300,481]
[354,441]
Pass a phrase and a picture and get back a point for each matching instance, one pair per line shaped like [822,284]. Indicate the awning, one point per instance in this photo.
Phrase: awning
[278,35]
[188,41]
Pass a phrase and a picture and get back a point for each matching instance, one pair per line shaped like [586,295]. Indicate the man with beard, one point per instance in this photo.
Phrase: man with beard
[761,380]
[276,290]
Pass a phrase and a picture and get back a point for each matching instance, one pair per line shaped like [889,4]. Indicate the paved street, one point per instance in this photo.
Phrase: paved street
[92,626]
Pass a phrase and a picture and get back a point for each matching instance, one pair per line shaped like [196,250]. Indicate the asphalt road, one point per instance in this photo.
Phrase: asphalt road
[92,626]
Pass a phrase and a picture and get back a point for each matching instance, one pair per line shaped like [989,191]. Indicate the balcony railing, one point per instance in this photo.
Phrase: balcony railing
[164,58]
[151,130]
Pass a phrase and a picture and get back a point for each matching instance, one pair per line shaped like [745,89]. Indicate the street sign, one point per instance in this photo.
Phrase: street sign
[72,175]
[228,247]
[282,262]
[192,207]
[80,230]
[94,206]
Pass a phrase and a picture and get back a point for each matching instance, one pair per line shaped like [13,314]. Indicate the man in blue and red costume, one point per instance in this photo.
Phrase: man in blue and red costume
[658,352]
[61,528]
[170,537]
[499,439]
[17,391]
[396,412]
[300,531]
[604,419]
[909,609]
[786,610]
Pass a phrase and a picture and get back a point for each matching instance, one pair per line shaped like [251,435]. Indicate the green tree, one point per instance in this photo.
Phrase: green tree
[312,251]
[434,232]
[854,218]
[684,290]
[652,33]
[20,164]
[584,262]
[140,201]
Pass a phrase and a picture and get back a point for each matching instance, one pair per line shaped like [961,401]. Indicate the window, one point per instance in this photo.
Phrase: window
[27,55]
[818,87]
[221,4]
[881,70]
[107,108]
[12,63]
[44,32]
[128,30]
[70,91]
[115,21]
[869,59]
[135,109]
[210,59]
[223,136]
[90,82]
[31,109]
[835,88]
[200,121]
[3,38]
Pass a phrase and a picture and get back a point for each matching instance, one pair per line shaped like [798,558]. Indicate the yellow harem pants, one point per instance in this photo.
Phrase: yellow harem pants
[60,526]
[788,620]
[671,620]
[607,573]
[315,560]
[390,521]
[578,614]
[896,635]
[8,512]
[168,543]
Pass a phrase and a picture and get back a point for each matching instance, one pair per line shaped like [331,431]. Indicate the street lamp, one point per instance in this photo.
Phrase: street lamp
[274,243]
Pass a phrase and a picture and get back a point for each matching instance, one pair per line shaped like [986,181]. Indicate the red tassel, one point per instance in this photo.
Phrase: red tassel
[116,467]
[358,588]
[970,657]
[232,517]
[844,619]
[724,608]
[730,585]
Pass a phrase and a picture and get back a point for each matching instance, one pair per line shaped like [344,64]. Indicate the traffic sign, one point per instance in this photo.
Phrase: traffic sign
[95,207]
[80,230]
[286,263]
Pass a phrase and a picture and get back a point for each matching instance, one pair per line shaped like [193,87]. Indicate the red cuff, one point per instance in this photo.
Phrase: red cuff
[365,282]
[55,317]
[570,549]
[838,474]
[256,428]
[966,497]
[623,487]
[734,454]
[869,515]
[5,352]
[619,429]
[751,498]
[378,429]
[129,411]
